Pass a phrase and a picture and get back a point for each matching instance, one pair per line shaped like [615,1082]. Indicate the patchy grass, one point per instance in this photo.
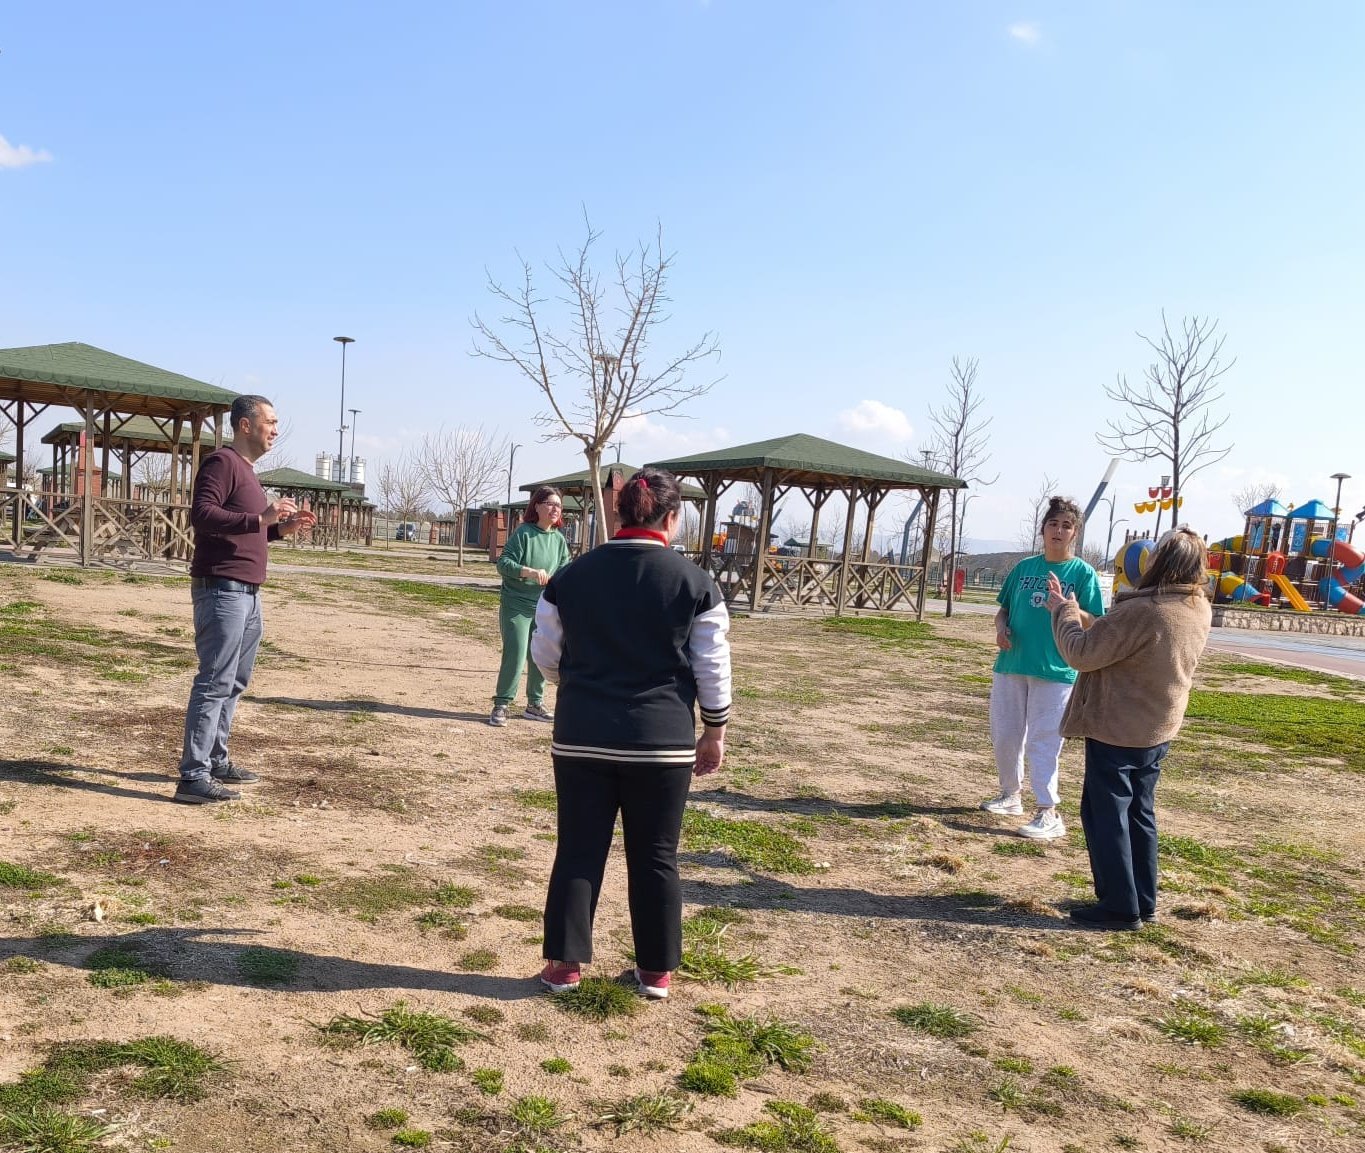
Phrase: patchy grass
[1268,1103]
[793,1129]
[936,1020]
[391,1118]
[524,913]
[487,1081]
[429,1037]
[1193,1025]
[1319,727]
[267,966]
[536,1115]
[885,1112]
[890,630]
[25,879]
[753,844]
[644,1113]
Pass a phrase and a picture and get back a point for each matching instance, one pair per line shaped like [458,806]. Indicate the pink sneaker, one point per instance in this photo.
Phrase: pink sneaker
[560,978]
[653,985]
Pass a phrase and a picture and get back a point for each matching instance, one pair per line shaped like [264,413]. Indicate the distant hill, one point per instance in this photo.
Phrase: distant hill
[998,562]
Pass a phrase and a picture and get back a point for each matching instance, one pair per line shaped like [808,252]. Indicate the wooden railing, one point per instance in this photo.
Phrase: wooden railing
[796,582]
[121,529]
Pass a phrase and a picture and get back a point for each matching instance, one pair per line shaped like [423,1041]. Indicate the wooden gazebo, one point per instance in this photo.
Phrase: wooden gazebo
[106,389]
[578,486]
[344,515]
[749,574]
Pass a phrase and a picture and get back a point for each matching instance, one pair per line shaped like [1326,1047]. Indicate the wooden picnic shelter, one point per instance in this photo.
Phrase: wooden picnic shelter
[578,486]
[344,515]
[99,521]
[750,574]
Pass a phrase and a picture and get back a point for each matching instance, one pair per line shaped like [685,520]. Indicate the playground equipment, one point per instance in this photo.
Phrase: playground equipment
[1131,563]
[1293,554]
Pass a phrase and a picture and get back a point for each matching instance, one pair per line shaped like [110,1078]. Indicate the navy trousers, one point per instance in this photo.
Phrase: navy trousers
[1118,814]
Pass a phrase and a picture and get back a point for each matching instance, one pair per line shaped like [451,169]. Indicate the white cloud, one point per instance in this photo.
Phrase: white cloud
[644,439]
[21,156]
[1026,33]
[878,419]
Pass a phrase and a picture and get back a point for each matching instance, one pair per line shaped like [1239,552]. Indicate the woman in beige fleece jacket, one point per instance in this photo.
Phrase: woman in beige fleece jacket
[1136,665]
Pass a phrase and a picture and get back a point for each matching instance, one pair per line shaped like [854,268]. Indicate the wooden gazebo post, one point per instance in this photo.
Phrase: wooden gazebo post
[842,598]
[765,516]
[931,503]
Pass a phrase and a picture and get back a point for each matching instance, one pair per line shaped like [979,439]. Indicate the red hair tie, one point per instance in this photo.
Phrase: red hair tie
[642,482]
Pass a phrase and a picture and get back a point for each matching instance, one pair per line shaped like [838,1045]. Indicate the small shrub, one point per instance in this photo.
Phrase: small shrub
[411,1139]
[645,1113]
[535,1114]
[557,1065]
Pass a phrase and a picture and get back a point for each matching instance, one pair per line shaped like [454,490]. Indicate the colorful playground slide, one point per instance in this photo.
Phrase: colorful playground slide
[1291,595]
[1333,588]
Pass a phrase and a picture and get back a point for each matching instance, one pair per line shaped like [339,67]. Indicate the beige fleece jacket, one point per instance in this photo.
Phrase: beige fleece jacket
[1136,664]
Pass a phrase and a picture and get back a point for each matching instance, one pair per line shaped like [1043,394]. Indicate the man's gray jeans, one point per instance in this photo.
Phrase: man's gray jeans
[227,633]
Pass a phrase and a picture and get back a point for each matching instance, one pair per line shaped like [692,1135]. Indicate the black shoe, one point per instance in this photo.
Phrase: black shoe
[203,792]
[234,774]
[1149,918]
[1094,917]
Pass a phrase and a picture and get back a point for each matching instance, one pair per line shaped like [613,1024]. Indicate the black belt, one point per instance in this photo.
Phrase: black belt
[224,584]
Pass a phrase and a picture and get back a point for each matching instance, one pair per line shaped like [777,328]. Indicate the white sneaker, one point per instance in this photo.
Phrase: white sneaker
[1045,826]
[1005,805]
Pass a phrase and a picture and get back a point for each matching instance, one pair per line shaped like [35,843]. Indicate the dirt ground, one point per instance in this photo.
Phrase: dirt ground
[384,792]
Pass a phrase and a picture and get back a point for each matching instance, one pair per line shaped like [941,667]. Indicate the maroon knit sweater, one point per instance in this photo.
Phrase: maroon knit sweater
[229,539]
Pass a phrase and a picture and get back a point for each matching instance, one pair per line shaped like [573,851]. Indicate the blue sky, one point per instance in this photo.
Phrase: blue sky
[856,193]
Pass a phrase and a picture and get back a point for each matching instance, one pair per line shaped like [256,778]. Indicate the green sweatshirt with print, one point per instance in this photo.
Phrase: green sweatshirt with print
[532,547]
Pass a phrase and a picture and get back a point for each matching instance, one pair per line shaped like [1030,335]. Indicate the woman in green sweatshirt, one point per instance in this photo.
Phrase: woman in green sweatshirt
[534,552]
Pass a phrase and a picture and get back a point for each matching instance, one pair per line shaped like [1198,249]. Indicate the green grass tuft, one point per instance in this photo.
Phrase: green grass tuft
[411,1139]
[643,1113]
[887,1113]
[1192,1025]
[429,1037]
[487,1081]
[794,1129]
[936,1020]
[1268,1103]
[391,1118]
[598,999]
[557,1066]
[536,1115]
[30,880]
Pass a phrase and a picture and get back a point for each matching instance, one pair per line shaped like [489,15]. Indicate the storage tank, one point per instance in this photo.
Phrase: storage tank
[357,471]
[323,467]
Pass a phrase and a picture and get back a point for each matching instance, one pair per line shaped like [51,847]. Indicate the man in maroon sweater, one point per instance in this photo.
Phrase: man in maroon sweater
[232,524]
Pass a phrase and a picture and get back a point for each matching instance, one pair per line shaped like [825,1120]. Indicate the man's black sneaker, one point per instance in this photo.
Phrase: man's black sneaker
[1094,917]
[203,792]
[233,774]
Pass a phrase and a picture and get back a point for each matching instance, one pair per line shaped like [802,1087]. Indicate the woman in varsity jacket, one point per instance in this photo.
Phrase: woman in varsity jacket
[635,635]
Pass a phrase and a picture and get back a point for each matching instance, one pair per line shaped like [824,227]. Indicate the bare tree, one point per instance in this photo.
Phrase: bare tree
[607,366]
[960,449]
[462,466]
[1169,416]
[1029,526]
[153,472]
[402,487]
[1254,494]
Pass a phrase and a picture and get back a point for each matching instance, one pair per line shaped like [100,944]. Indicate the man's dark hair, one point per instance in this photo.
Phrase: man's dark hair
[246,407]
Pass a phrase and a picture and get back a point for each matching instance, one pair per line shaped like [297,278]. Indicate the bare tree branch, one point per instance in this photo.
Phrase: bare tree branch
[1254,494]
[960,448]
[461,467]
[402,487]
[608,366]
[1030,525]
[1169,417]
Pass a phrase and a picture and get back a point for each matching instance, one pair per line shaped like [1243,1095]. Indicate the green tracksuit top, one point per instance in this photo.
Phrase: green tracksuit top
[530,546]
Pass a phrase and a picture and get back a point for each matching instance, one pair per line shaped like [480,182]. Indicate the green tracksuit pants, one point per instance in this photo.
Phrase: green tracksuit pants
[516,624]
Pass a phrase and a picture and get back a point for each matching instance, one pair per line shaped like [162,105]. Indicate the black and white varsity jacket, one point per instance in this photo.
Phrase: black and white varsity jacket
[635,635]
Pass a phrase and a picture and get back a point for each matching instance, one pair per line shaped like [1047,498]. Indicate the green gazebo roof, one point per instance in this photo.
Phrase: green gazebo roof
[297,478]
[807,460]
[575,482]
[52,370]
[142,432]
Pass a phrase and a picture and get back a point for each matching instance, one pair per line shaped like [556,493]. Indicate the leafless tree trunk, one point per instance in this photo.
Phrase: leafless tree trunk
[960,449]
[1169,416]
[462,466]
[1030,526]
[402,487]
[154,474]
[1254,494]
[607,367]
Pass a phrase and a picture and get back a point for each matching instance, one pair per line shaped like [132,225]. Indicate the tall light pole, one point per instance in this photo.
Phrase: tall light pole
[350,464]
[341,432]
[1336,508]
[511,461]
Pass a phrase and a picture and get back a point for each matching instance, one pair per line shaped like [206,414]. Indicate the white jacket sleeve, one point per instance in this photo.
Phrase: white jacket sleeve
[708,647]
[547,641]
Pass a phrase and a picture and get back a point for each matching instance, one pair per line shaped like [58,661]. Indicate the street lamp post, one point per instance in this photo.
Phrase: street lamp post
[1336,508]
[341,432]
[511,461]
[350,464]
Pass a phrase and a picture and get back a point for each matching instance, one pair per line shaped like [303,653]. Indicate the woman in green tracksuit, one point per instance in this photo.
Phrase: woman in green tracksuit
[534,552]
